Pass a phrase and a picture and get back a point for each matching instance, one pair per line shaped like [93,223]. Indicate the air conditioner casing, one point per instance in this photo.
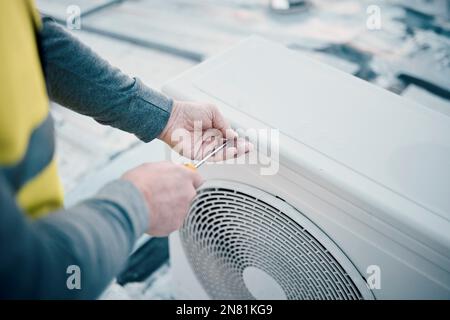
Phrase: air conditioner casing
[368,168]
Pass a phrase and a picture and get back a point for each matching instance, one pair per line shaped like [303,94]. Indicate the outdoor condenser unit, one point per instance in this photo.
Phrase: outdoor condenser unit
[359,207]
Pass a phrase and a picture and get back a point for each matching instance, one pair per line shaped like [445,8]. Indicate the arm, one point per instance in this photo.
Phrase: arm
[82,81]
[97,235]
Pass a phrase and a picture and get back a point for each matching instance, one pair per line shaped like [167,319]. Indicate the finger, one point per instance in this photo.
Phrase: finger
[212,139]
[234,149]
[196,179]
[226,153]
[209,146]
[243,146]
[219,122]
[190,173]
[191,193]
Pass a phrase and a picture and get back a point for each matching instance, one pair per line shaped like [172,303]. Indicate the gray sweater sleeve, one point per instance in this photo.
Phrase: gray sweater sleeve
[79,79]
[96,236]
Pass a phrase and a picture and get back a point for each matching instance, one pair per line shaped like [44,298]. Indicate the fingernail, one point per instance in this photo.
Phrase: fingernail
[232,151]
[232,134]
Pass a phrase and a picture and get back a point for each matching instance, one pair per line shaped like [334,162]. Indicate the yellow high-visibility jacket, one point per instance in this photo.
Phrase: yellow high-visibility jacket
[97,234]
[26,129]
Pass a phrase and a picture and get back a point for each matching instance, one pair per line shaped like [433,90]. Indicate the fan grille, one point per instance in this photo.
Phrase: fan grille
[231,227]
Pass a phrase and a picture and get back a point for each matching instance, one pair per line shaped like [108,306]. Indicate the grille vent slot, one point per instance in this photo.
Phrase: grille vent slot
[233,226]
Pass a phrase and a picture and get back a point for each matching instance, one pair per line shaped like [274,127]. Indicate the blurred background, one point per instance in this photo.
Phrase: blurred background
[400,45]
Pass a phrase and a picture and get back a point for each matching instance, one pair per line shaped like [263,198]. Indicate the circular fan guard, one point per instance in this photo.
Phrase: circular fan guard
[232,227]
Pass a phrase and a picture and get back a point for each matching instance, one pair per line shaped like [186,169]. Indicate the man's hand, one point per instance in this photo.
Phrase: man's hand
[195,129]
[168,190]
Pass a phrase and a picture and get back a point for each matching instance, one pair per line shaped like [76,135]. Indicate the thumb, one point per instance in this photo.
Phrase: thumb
[219,123]
[196,178]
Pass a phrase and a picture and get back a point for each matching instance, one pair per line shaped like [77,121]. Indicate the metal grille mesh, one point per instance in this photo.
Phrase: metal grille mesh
[232,226]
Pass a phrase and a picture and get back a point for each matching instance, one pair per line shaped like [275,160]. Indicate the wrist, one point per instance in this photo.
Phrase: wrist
[166,132]
[127,195]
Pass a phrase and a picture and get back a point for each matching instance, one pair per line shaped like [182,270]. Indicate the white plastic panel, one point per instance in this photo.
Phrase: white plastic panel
[384,137]
[392,164]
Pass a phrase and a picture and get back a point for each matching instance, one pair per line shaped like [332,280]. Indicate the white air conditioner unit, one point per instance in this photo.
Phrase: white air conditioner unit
[359,208]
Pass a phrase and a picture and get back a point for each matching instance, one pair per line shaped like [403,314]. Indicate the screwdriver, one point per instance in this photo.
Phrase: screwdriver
[195,166]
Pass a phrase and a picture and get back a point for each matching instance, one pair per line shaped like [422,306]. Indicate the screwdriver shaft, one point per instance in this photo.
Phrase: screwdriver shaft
[212,153]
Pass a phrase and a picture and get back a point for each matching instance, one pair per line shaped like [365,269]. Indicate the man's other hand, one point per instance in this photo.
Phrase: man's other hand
[168,190]
[195,129]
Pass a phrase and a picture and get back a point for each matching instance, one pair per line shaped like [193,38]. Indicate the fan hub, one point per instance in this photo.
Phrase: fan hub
[261,285]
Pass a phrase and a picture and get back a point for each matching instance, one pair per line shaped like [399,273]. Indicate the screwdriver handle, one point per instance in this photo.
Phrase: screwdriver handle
[190,166]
